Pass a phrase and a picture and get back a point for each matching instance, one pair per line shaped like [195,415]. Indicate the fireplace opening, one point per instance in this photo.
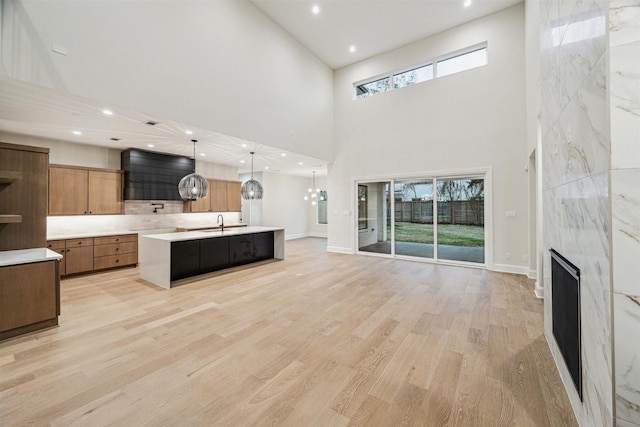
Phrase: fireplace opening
[565,310]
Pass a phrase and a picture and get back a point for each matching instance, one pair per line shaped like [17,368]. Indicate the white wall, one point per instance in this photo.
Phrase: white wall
[283,203]
[470,120]
[220,65]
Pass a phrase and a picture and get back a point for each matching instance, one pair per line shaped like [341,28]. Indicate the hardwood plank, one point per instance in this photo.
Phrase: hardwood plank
[318,339]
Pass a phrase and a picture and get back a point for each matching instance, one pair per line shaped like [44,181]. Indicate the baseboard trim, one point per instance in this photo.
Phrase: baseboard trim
[296,236]
[539,290]
[507,268]
[340,250]
[320,235]
[532,274]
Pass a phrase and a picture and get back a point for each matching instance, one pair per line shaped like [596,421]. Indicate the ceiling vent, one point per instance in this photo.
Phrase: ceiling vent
[151,122]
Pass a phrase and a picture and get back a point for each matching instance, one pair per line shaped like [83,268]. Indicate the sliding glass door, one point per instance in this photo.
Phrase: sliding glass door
[460,223]
[436,218]
[413,225]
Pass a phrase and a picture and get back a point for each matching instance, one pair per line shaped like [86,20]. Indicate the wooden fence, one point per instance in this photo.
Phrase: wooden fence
[464,212]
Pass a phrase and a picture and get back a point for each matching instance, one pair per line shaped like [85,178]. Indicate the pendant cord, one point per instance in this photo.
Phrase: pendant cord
[252,153]
[194,154]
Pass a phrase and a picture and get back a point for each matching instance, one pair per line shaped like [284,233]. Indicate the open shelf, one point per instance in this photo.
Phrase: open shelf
[10,219]
[9,177]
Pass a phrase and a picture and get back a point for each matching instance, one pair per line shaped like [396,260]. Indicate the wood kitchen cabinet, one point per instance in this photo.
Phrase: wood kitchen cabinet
[234,201]
[115,251]
[95,253]
[29,298]
[23,196]
[79,255]
[82,191]
[224,196]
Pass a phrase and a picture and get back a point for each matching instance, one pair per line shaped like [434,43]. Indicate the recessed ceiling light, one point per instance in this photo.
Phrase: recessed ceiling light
[283,154]
[150,145]
[467,3]
[241,161]
[315,9]
[107,112]
[151,122]
[300,163]
[202,154]
[115,139]
[352,48]
[76,132]
[266,167]
[189,132]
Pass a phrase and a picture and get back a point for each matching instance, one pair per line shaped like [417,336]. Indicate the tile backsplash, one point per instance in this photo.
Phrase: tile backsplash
[139,217]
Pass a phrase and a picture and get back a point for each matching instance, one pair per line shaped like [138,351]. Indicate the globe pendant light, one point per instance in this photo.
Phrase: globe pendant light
[193,186]
[252,189]
[313,194]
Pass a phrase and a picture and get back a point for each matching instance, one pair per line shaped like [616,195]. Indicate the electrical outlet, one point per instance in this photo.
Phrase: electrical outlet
[511,214]
[507,255]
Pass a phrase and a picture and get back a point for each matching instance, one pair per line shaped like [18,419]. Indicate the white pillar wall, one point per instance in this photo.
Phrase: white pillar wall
[590,128]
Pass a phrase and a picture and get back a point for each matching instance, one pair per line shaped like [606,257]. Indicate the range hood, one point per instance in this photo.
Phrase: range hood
[153,176]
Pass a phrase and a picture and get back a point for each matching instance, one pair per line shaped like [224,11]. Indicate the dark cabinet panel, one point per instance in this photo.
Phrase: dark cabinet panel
[263,246]
[214,254]
[185,259]
[241,249]
[193,257]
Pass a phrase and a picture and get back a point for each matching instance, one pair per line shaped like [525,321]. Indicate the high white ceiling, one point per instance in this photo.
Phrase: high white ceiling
[373,26]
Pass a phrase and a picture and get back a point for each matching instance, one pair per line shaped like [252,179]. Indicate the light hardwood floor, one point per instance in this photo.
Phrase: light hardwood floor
[315,340]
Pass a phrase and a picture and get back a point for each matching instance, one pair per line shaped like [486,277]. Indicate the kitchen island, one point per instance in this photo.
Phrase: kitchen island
[165,258]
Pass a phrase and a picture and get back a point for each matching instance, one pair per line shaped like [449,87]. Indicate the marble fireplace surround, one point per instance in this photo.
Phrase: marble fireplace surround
[590,128]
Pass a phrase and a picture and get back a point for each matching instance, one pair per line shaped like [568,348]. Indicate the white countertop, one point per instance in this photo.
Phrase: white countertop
[27,256]
[193,235]
[90,234]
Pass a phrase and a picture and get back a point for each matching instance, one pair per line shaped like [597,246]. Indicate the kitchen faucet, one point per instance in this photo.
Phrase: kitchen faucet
[218,221]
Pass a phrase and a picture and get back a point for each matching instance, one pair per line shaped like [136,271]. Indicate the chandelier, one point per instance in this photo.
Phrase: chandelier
[252,189]
[314,192]
[193,186]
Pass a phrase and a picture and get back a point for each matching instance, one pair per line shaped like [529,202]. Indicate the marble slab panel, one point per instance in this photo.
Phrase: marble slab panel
[627,338]
[553,99]
[578,144]
[625,105]
[576,218]
[624,22]
[582,45]
[623,423]
[625,233]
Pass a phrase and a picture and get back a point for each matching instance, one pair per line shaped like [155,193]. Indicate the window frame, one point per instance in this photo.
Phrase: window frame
[432,61]
[363,204]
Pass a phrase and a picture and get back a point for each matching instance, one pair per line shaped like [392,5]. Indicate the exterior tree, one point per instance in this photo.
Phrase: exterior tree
[474,193]
[449,190]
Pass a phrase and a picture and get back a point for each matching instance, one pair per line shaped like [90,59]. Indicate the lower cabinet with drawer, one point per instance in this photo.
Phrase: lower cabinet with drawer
[95,253]
[115,251]
[77,254]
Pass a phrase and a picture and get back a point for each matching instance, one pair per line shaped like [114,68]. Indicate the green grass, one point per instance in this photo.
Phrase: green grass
[456,235]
